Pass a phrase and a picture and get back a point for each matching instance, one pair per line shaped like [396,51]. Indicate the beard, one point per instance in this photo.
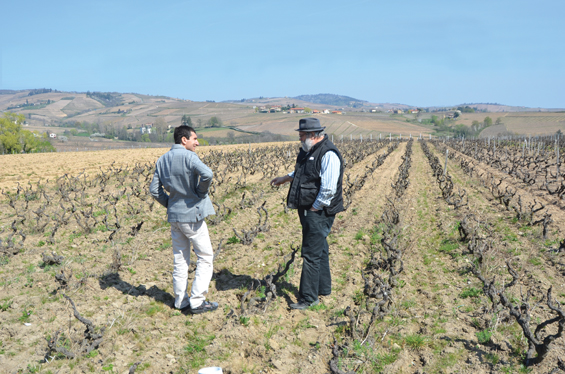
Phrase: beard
[307,145]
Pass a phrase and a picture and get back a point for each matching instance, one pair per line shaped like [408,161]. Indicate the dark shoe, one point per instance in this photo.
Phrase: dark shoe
[186,309]
[303,304]
[205,307]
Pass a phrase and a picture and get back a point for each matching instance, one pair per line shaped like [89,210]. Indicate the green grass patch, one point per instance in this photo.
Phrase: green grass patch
[381,360]
[449,246]
[5,305]
[446,361]
[167,243]
[318,307]
[233,240]
[493,358]
[470,293]
[261,292]
[195,350]
[108,368]
[4,260]
[153,309]
[415,342]
[484,336]
[98,213]
[24,318]
[407,304]
[359,235]
[376,235]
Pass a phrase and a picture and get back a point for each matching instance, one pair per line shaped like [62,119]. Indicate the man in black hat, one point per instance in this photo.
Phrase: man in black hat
[316,191]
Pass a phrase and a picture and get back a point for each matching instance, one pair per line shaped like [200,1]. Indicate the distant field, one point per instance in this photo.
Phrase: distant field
[338,125]
[528,124]
[221,132]
[35,166]
[80,104]
[520,123]
[131,97]
[32,167]
[165,112]
[535,123]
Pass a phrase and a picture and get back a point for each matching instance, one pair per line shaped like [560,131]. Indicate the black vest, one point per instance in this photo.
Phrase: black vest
[306,183]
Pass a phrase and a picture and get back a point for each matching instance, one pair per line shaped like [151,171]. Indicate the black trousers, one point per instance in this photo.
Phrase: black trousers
[316,278]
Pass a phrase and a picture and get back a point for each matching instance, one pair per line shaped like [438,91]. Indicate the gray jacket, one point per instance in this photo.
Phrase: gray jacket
[181,173]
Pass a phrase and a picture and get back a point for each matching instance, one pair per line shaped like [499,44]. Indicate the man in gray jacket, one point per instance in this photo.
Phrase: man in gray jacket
[187,179]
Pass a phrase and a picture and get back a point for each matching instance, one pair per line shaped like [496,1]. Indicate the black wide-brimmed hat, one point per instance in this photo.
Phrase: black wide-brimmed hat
[309,125]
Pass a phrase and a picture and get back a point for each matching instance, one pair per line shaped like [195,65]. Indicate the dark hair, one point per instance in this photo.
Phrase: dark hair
[183,131]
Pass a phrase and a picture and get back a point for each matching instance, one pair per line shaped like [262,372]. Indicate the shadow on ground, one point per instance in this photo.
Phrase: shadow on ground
[114,280]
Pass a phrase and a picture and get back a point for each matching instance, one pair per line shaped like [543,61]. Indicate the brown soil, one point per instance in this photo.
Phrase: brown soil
[431,327]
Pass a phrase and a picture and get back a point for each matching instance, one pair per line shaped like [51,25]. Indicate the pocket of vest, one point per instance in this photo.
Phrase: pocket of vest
[307,196]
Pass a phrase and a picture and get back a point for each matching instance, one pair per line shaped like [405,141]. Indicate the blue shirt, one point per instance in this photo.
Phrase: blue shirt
[186,179]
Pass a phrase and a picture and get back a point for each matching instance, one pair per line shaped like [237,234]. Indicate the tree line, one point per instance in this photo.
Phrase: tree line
[38,91]
[214,121]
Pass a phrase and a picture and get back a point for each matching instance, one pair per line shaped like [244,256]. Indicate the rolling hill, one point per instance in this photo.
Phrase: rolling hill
[56,111]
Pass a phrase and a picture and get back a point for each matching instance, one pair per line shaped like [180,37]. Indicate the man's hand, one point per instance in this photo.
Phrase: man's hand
[280,180]
[313,209]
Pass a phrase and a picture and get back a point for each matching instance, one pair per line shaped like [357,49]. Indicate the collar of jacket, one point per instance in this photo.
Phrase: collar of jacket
[178,146]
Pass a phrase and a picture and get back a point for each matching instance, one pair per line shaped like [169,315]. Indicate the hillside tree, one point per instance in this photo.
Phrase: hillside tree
[186,121]
[214,122]
[14,139]
[231,137]
[160,128]
[123,133]
[461,130]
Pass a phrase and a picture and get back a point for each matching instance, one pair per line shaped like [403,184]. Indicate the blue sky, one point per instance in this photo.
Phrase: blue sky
[420,53]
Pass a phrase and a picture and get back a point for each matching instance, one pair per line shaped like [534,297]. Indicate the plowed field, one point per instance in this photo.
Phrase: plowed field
[95,211]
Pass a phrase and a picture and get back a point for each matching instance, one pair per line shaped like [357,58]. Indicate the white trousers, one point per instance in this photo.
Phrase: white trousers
[182,235]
